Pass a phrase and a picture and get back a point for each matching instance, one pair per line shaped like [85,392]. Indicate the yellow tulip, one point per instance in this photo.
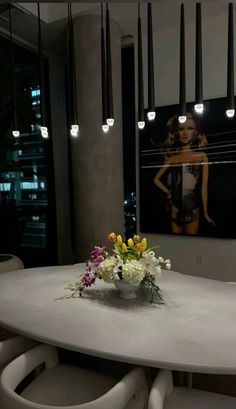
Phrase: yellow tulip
[119,239]
[136,239]
[123,248]
[130,243]
[144,243]
[112,237]
[140,247]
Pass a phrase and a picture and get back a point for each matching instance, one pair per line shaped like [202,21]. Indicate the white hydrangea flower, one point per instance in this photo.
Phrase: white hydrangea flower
[105,270]
[133,271]
[157,271]
[119,264]
[151,265]
[118,268]
[168,264]
[161,259]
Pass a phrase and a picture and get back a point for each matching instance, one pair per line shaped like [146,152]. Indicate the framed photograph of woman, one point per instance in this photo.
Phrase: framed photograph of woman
[187,172]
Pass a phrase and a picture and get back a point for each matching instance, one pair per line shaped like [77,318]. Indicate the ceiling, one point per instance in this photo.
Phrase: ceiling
[166,14]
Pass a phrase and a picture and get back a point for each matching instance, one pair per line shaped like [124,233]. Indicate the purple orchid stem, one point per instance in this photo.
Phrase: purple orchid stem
[97,255]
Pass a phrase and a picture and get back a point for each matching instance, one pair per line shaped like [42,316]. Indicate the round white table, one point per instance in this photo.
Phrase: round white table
[194,331]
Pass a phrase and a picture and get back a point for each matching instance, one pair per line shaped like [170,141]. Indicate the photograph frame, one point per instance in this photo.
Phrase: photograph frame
[156,212]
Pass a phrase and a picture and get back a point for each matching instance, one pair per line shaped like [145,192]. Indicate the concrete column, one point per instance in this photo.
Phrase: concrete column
[97,158]
[60,160]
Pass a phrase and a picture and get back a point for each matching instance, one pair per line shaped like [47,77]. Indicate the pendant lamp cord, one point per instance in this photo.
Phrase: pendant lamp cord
[69,68]
[103,71]
[102,15]
[109,98]
[182,90]
[13,88]
[74,67]
[151,87]
[41,67]
[140,72]
[230,63]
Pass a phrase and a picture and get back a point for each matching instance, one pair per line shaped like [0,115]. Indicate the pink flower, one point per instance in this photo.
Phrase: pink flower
[97,255]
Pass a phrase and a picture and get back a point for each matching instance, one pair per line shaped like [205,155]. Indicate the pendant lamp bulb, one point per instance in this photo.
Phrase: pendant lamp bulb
[199,108]
[141,124]
[151,115]
[105,128]
[44,131]
[74,130]
[182,119]
[230,113]
[110,121]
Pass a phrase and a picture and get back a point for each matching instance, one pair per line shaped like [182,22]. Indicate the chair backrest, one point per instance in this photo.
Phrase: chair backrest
[15,372]
[11,263]
[117,398]
[14,346]
[161,388]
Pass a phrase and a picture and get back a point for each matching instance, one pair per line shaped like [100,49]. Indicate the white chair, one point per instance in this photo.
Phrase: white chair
[165,395]
[12,347]
[67,386]
[11,264]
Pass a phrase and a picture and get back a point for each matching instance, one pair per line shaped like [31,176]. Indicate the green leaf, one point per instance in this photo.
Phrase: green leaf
[149,291]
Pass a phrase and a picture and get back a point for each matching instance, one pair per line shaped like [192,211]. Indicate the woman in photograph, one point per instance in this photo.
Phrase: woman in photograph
[186,183]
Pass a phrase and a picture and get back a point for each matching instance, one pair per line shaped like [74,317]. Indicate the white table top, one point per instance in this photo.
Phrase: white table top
[194,331]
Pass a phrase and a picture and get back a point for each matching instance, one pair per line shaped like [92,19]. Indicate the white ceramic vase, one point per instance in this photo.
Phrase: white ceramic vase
[126,290]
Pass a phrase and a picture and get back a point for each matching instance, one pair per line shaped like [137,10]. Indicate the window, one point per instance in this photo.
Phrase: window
[26,193]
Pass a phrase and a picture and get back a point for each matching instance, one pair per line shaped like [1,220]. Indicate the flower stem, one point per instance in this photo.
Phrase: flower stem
[149,291]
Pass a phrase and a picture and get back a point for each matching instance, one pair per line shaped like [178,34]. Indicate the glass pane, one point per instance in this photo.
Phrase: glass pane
[24,164]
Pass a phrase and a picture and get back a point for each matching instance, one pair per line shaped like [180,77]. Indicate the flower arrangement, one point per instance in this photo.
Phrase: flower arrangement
[131,261]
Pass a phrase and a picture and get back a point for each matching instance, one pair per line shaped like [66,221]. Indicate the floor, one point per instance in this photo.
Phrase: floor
[225,384]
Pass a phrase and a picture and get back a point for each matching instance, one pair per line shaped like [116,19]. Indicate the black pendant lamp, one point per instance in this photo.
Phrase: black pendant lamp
[182,85]
[141,119]
[69,59]
[105,126]
[151,90]
[43,127]
[73,116]
[230,109]
[110,115]
[15,131]
[198,61]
